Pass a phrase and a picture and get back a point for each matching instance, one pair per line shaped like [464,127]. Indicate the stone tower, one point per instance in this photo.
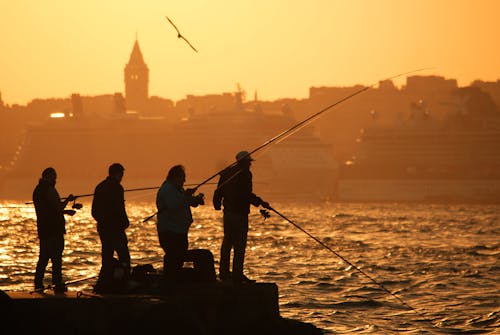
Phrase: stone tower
[136,80]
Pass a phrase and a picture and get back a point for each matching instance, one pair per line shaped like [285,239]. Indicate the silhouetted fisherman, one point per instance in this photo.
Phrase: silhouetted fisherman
[51,227]
[234,193]
[108,209]
[174,219]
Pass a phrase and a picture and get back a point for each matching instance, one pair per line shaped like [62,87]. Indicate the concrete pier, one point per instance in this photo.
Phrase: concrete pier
[196,309]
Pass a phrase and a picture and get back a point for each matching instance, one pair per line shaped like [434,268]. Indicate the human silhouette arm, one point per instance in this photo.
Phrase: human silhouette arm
[64,202]
[69,212]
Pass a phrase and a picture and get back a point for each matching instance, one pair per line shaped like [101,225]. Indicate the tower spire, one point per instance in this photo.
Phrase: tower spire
[136,79]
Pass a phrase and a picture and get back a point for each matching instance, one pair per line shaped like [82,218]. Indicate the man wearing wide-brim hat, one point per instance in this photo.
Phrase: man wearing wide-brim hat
[234,193]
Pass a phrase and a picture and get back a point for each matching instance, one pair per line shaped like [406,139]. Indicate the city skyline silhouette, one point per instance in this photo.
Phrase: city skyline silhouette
[58,49]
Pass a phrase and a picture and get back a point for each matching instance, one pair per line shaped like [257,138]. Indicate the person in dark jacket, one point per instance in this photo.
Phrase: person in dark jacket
[51,227]
[174,219]
[108,209]
[234,193]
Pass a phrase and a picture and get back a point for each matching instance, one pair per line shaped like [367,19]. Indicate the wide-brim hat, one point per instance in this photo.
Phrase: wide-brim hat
[243,155]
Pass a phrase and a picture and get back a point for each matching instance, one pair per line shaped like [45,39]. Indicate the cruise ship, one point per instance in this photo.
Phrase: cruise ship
[81,149]
[148,135]
[456,159]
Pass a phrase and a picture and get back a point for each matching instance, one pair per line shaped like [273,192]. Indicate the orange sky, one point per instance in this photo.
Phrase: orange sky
[278,48]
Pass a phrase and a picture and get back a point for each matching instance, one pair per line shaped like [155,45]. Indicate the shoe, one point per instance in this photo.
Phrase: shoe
[39,288]
[60,289]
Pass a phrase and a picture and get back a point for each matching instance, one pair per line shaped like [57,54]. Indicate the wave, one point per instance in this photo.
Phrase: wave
[363,303]
[490,320]
[440,260]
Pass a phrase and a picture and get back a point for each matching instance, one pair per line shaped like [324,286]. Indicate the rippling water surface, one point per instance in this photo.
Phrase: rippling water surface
[443,261]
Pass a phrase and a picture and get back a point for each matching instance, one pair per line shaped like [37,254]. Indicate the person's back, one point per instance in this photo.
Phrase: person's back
[173,212]
[234,190]
[174,219]
[49,213]
[108,207]
[234,193]
[51,228]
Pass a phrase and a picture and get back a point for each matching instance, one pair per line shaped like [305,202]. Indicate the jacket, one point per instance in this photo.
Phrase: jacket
[234,191]
[174,211]
[108,206]
[49,212]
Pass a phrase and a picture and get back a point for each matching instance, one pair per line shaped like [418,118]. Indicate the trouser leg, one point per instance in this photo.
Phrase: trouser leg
[41,265]
[239,238]
[121,247]
[107,252]
[239,253]
[225,250]
[175,247]
[57,249]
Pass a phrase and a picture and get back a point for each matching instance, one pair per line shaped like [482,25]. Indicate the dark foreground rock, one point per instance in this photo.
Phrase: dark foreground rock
[198,309]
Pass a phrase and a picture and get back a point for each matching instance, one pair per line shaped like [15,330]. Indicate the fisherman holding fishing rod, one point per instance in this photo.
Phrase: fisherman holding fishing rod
[238,175]
[234,193]
[51,227]
[174,219]
[108,209]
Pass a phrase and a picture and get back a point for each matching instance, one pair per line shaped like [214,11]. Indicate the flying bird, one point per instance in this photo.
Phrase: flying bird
[179,34]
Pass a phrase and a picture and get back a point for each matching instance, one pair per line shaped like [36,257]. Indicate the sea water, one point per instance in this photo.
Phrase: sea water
[382,268]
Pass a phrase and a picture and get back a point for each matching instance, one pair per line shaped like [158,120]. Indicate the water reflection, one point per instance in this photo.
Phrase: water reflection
[442,260]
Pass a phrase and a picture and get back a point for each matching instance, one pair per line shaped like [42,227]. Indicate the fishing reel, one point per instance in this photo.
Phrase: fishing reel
[265,213]
[76,205]
[200,199]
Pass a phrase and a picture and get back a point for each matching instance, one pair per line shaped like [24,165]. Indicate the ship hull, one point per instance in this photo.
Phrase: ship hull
[420,190]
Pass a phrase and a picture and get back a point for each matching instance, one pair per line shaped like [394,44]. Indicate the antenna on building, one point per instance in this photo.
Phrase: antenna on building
[240,92]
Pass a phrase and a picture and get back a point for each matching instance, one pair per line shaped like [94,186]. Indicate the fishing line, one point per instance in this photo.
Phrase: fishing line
[292,130]
[15,207]
[218,186]
[141,196]
[127,190]
[354,266]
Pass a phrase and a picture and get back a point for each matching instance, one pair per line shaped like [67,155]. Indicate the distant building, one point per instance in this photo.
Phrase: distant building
[491,87]
[119,103]
[76,105]
[136,81]
[430,85]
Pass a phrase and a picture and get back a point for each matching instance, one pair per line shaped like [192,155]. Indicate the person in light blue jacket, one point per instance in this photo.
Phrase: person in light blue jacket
[174,219]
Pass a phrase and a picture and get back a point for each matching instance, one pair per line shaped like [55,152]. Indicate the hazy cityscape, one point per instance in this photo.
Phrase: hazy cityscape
[443,138]
[370,204]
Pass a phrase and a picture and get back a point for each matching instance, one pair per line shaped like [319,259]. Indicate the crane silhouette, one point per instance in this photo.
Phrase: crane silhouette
[179,35]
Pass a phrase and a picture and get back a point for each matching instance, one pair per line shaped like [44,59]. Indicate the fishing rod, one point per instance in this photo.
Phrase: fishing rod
[266,215]
[292,130]
[14,207]
[127,190]
[218,186]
